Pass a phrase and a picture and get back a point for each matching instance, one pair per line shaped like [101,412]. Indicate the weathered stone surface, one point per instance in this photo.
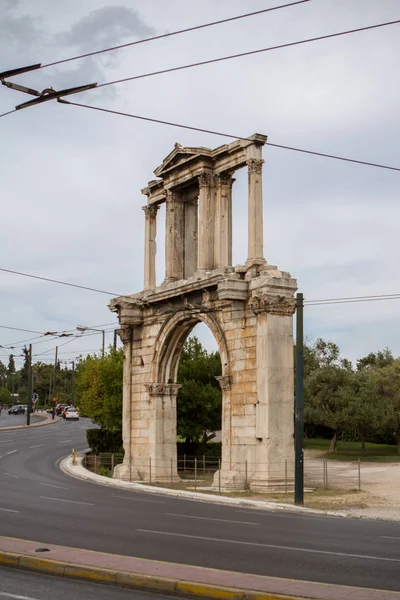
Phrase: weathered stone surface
[248,308]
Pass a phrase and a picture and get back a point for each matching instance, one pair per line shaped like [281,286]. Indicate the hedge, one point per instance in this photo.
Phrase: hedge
[103,440]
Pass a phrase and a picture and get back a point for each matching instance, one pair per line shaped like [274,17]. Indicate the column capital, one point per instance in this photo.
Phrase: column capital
[125,334]
[224,179]
[150,210]
[163,389]
[255,165]
[274,305]
[225,382]
[206,179]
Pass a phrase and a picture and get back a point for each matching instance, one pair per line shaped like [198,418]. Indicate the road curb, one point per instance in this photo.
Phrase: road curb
[79,472]
[40,424]
[135,580]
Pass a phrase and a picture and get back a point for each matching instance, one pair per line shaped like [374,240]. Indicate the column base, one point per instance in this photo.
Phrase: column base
[126,472]
[229,481]
[272,484]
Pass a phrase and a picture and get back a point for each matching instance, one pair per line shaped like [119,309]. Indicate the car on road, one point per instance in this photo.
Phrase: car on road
[71,414]
[60,408]
[64,410]
[18,409]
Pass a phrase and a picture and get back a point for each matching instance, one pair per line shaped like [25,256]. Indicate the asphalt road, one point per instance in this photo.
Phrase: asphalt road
[39,502]
[7,420]
[22,585]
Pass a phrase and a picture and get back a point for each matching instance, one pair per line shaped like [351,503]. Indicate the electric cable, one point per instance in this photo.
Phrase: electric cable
[75,285]
[248,53]
[172,33]
[229,135]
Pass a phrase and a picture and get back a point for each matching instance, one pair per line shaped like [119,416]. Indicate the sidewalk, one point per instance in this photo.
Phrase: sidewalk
[45,419]
[170,578]
[79,471]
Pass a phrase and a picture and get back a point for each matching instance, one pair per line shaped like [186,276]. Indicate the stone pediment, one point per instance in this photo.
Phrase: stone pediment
[180,156]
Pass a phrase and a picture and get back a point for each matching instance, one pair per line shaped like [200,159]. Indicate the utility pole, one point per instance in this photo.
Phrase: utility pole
[55,383]
[73,383]
[115,339]
[299,406]
[30,390]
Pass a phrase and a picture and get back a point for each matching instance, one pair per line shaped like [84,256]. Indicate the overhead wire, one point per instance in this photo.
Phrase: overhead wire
[75,285]
[230,135]
[248,53]
[173,33]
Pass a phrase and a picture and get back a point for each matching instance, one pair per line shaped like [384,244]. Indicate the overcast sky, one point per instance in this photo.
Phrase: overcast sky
[71,177]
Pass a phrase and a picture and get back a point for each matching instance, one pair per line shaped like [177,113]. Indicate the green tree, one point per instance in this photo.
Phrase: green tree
[3,374]
[200,399]
[376,360]
[5,396]
[98,391]
[323,402]
[386,381]
[363,410]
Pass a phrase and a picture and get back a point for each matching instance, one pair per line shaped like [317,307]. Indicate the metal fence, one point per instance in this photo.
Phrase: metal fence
[201,473]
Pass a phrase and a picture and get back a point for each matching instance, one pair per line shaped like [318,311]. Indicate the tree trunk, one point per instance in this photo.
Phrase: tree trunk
[398,443]
[362,437]
[332,446]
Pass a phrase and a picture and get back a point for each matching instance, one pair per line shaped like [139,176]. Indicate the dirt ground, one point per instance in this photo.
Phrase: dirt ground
[380,489]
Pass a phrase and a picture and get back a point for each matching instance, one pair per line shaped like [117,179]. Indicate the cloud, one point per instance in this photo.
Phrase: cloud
[71,178]
[106,26]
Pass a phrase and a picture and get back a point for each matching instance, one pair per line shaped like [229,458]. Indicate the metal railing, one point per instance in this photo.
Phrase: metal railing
[201,473]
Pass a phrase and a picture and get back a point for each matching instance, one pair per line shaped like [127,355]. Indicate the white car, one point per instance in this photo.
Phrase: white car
[71,414]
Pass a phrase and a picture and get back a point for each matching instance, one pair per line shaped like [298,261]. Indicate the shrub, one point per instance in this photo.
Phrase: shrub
[103,440]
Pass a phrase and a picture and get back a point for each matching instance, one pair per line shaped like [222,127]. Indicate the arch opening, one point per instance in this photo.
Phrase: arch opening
[194,427]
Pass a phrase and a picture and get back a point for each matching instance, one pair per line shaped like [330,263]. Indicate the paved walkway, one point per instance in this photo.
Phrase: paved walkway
[170,577]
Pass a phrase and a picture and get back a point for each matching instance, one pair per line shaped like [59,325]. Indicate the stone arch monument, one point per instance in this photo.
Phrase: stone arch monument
[248,308]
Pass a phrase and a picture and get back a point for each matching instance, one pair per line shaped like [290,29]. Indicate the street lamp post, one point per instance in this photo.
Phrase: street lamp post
[85,328]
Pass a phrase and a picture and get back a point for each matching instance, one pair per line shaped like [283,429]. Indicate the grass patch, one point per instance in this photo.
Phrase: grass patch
[348,451]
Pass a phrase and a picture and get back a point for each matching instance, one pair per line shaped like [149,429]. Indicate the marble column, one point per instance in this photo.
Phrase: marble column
[206,221]
[150,245]
[223,221]
[174,236]
[255,212]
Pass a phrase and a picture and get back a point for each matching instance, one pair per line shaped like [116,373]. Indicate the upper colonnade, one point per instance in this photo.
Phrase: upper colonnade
[196,186]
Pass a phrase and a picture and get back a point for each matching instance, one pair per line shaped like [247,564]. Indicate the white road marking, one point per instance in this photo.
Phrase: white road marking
[11,475]
[7,595]
[6,441]
[9,510]
[273,546]
[63,500]
[64,441]
[139,499]
[211,519]
[389,537]
[38,446]
[59,487]
[11,452]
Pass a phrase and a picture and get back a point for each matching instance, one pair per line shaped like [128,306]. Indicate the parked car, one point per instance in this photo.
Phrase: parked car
[18,409]
[71,414]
